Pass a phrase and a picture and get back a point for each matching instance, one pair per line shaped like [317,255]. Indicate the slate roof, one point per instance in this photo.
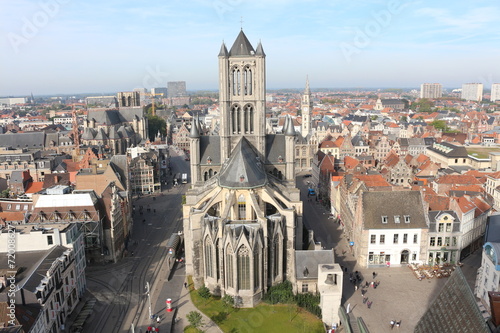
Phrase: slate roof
[275,147]
[449,150]
[306,262]
[391,204]
[453,310]
[243,168]
[241,46]
[433,215]
[23,140]
[210,147]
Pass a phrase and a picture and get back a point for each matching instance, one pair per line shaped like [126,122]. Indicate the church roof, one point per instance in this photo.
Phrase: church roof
[241,46]
[243,168]
[275,147]
[223,51]
[453,310]
[210,148]
[260,51]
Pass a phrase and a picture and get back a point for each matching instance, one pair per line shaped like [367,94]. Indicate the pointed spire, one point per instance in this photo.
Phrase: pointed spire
[260,50]
[195,133]
[290,130]
[241,46]
[223,50]
[308,90]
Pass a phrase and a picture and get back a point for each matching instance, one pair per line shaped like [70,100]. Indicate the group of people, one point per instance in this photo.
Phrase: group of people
[395,323]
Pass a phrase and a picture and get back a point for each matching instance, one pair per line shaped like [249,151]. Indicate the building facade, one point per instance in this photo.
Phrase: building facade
[472,91]
[431,90]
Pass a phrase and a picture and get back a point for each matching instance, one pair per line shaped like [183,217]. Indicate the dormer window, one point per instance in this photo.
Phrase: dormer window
[209,160]
[384,219]
[280,159]
[407,218]
[396,219]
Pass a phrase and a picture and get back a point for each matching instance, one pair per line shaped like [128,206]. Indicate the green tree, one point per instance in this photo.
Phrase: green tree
[403,119]
[195,319]
[423,105]
[228,301]
[204,292]
[4,194]
[439,124]
[156,124]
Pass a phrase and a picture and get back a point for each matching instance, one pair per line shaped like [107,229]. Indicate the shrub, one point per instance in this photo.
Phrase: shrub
[195,319]
[204,292]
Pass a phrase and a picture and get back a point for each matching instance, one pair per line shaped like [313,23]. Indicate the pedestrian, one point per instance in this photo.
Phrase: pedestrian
[346,269]
[398,323]
[355,287]
[158,319]
[392,324]
[372,284]
[369,304]
[366,284]
[185,285]
[365,299]
[350,279]
[374,274]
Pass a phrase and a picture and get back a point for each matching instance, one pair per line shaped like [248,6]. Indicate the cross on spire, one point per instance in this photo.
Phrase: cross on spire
[241,22]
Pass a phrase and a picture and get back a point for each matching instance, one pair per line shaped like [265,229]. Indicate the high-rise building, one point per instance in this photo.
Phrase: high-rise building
[158,91]
[431,90]
[472,91]
[176,89]
[495,92]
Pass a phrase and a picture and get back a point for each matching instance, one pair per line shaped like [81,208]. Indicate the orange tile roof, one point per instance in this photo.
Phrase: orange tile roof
[457,179]
[327,144]
[437,202]
[464,204]
[12,216]
[470,188]
[481,206]
[373,180]
[34,187]
[422,158]
[350,162]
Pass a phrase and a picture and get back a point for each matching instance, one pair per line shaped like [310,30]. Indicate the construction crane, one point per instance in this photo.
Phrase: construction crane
[153,112]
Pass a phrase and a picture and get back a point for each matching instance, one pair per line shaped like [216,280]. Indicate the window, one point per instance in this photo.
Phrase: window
[305,287]
[453,241]
[395,239]
[208,258]
[441,227]
[18,207]
[447,241]
[415,238]
[384,219]
[9,206]
[382,239]
[407,218]
[242,208]
[432,241]
[396,218]
[405,238]
[229,263]
[256,269]
[50,240]
[440,241]
[243,262]
[448,227]
[414,256]
[373,239]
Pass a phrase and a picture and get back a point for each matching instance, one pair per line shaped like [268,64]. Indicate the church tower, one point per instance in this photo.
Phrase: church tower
[306,108]
[242,95]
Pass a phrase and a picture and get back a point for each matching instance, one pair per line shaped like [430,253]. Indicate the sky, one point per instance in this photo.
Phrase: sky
[105,46]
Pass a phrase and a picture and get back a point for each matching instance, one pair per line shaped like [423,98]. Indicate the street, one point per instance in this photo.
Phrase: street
[120,288]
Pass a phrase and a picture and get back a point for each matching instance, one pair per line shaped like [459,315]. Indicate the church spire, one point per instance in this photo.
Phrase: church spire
[223,50]
[307,90]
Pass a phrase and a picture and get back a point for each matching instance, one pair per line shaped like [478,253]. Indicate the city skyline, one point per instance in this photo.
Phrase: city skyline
[64,46]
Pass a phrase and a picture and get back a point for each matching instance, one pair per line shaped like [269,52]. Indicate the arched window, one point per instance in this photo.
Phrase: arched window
[256,268]
[208,258]
[235,119]
[242,208]
[243,268]
[229,267]
[276,257]
[248,81]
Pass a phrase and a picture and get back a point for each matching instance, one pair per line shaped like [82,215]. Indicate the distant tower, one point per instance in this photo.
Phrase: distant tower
[306,108]
[242,95]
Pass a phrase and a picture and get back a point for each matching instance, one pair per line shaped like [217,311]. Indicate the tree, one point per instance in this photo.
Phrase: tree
[423,105]
[156,124]
[204,292]
[403,119]
[439,124]
[195,319]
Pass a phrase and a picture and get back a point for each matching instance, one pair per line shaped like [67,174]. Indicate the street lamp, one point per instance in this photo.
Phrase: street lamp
[149,298]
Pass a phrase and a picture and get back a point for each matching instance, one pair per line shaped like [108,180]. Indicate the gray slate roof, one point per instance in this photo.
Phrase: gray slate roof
[210,147]
[310,260]
[243,169]
[453,310]
[449,150]
[241,46]
[275,147]
[28,140]
[390,204]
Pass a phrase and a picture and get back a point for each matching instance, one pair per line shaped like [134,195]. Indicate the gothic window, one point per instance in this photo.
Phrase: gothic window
[250,114]
[276,257]
[256,269]
[236,76]
[235,119]
[208,258]
[248,81]
[229,267]
[243,268]
[242,208]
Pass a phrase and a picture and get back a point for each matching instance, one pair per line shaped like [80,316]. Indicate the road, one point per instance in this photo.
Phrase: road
[120,288]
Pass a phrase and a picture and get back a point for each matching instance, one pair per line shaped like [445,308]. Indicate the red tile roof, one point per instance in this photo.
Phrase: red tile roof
[457,179]
[34,187]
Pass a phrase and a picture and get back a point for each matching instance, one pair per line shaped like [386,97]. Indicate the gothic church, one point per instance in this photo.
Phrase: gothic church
[243,215]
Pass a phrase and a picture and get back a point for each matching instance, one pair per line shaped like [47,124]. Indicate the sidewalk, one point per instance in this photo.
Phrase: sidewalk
[186,306]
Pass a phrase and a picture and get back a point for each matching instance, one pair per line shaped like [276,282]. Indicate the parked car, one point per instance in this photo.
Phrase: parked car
[311,192]
[307,176]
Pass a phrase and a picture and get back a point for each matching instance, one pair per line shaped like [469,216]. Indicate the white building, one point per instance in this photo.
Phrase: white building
[431,90]
[472,91]
[495,92]
[52,278]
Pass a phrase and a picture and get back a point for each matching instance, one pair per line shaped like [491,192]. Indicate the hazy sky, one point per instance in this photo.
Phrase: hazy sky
[76,46]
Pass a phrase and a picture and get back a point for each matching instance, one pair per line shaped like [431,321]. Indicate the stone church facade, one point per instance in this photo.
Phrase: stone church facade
[243,215]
